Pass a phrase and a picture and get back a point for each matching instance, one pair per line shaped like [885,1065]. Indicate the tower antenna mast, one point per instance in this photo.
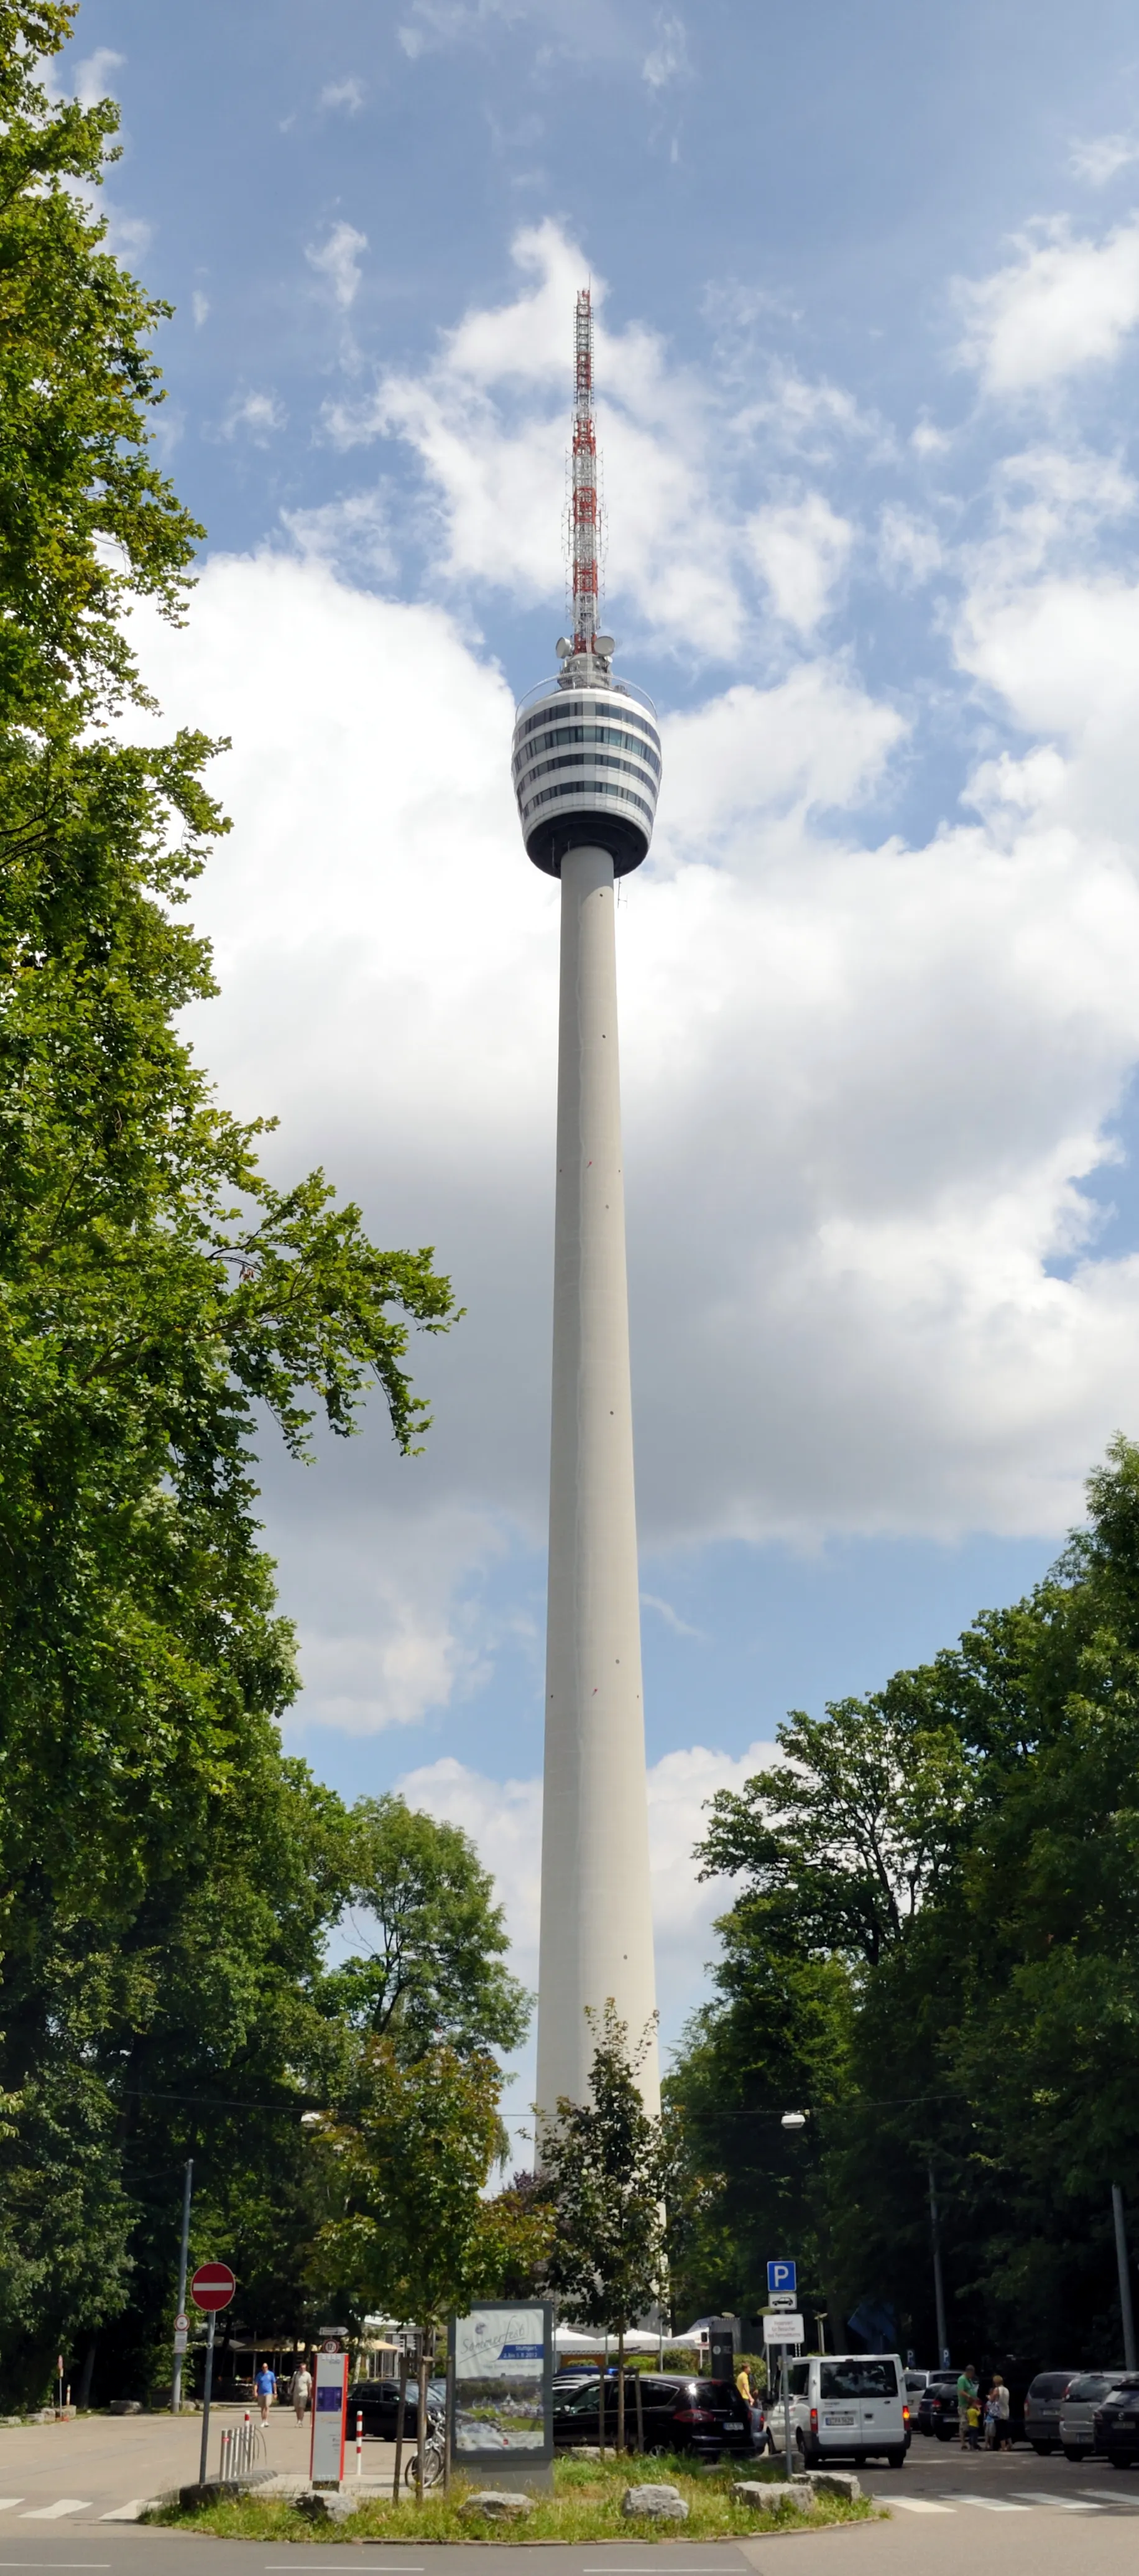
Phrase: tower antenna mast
[583,532]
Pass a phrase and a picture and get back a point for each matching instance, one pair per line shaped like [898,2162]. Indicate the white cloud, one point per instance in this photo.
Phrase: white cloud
[504,1820]
[200,307]
[338,261]
[349,94]
[801,548]
[1061,304]
[352,534]
[92,76]
[909,549]
[1103,157]
[667,59]
[262,415]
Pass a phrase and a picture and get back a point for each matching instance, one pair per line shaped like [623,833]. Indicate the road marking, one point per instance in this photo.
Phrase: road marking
[127,2512]
[913,2504]
[53,2512]
[1062,2504]
[990,2504]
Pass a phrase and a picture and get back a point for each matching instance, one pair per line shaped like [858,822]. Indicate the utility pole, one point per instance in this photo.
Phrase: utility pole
[187,2186]
[938,2283]
[1124,2279]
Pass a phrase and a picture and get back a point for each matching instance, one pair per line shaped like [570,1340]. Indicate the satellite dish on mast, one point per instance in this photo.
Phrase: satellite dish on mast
[605,644]
[563,647]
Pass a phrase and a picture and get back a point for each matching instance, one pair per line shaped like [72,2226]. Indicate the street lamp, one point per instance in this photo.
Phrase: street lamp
[794,2120]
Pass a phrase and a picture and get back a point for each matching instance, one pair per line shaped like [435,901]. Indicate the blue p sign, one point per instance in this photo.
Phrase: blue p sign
[780,2276]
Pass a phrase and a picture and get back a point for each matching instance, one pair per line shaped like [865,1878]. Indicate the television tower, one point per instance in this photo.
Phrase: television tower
[587,775]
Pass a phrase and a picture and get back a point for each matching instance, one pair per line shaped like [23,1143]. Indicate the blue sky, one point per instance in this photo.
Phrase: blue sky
[868,296]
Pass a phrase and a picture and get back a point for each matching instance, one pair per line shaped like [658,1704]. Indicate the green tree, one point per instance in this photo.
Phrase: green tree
[434,1968]
[608,2168]
[408,2153]
[166,1880]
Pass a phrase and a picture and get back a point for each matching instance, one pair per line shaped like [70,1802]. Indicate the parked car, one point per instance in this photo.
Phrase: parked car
[937,2405]
[1115,2424]
[377,2400]
[1078,2410]
[704,2415]
[844,2406]
[1043,2400]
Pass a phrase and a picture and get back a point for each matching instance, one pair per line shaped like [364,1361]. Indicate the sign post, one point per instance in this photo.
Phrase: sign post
[212,2287]
[329,2415]
[782,2329]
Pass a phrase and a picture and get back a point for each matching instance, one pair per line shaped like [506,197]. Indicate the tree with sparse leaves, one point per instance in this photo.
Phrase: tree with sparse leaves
[607,2166]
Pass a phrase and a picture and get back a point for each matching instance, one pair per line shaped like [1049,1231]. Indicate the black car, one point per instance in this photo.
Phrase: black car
[704,2415]
[937,2404]
[1116,2424]
[377,2400]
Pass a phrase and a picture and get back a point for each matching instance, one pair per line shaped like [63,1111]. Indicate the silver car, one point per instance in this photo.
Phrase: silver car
[1077,2410]
[1044,2398]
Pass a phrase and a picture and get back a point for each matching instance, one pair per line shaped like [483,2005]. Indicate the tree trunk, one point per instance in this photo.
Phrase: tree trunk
[601,2412]
[640,2406]
[400,2409]
[421,2418]
[621,2392]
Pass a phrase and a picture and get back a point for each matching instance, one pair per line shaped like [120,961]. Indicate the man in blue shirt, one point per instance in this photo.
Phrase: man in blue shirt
[266,2387]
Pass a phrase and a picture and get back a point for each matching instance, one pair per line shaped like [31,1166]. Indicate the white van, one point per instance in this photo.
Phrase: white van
[844,2406]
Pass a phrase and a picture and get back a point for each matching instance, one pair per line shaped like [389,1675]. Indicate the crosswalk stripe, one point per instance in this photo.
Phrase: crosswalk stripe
[919,2504]
[990,2504]
[1060,2504]
[1131,2501]
[62,2505]
[127,2512]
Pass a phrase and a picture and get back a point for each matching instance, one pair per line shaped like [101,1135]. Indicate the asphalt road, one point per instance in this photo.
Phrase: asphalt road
[1011,2514]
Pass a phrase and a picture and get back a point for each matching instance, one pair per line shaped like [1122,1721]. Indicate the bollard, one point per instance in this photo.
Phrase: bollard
[359,2444]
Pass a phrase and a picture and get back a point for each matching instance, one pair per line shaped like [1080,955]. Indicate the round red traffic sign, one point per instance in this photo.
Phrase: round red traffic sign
[213,2285]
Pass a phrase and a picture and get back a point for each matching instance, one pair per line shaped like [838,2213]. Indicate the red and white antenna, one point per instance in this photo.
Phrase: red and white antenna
[583,507]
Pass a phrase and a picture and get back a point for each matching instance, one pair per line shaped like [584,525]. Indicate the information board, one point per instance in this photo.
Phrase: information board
[503,2362]
[329,2415]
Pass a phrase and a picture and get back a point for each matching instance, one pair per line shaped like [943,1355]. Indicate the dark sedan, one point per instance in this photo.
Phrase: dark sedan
[937,2404]
[704,2415]
[1116,2424]
[377,2400]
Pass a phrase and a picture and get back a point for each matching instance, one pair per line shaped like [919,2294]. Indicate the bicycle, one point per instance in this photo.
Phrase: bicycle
[434,2458]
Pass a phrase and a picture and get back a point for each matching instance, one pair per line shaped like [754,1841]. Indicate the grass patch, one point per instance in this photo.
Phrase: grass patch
[585,2505]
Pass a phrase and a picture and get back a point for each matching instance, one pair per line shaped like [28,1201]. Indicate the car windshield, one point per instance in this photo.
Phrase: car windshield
[1052,2383]
[1088,2392]
[857,2379]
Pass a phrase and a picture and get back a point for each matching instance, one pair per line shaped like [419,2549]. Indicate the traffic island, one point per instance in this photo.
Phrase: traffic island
[588,2503]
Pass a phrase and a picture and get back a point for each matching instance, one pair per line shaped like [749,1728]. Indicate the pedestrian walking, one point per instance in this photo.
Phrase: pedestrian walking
[300,2389]
[266,2388]
[967,2387]
[743,2383]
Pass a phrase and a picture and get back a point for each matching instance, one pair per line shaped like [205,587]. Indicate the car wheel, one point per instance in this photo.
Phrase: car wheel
[1071,2452]
[1043,2450]
[1121,2460]
[895,2459]
[943,2433]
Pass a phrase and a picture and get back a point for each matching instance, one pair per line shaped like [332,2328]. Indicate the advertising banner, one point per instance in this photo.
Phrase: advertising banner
[503,2361]
[329,2415]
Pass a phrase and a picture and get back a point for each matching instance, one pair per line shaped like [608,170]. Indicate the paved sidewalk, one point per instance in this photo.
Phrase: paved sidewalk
[99,2465]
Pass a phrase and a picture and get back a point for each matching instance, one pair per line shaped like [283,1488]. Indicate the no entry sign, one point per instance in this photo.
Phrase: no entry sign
[213,2286]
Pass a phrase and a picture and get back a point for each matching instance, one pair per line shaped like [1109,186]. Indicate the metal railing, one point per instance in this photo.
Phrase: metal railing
[243,2449]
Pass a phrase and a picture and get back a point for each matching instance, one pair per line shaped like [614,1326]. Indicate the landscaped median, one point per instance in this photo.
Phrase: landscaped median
[587,2504]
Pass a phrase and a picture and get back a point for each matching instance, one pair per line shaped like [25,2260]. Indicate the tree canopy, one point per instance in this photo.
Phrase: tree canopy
[935,1949]
[169,1881]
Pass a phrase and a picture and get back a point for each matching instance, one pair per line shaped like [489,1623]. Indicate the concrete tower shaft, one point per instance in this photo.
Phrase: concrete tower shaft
[597,1936]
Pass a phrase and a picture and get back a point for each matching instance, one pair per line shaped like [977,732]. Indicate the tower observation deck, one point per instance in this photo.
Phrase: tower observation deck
[586,770]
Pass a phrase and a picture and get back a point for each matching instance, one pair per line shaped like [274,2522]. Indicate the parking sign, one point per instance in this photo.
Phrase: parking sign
[780,2277]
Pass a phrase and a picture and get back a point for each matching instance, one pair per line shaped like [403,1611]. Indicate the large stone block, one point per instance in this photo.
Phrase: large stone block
[658,2503]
